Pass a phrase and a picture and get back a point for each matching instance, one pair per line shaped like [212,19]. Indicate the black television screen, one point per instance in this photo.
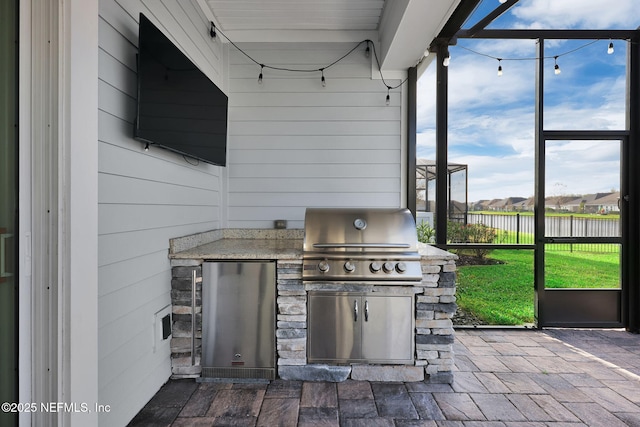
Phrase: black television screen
[179,107]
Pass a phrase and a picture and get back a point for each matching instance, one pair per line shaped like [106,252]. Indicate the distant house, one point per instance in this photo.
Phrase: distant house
[594,203]
[499,205]
[480,205]
[508,204]
[494,204]
[525,205]
[588,203]
[607,204]
[559,203]
[578,204]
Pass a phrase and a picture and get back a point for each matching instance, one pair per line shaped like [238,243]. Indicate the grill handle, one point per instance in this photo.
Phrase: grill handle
[355,310]
[366,310]
[361,245]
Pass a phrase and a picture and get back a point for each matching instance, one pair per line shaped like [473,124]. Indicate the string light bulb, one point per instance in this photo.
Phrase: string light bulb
[146,147]
[212,31]
[446,60]
[502,1]
[610,48]
[260,76]
[556,67]
[499,66]
[367,51]
[322,79]
[388,100]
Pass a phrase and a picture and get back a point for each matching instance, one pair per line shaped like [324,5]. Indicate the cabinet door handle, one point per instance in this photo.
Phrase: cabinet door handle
[366,310]
[355,310]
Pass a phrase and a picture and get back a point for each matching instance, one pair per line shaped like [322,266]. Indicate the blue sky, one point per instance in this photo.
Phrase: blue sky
[491,117]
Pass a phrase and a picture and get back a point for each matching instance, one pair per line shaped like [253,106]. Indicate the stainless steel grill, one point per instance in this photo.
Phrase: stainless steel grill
[366,245]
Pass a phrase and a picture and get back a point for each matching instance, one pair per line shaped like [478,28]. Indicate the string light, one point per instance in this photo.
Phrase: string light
[388,100]
[446,60]
[502,1]
[370,46]
[367,51]
[556,67]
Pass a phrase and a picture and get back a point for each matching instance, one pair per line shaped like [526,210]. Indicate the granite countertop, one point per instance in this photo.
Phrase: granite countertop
[258,244]
[244,249]
[429,251]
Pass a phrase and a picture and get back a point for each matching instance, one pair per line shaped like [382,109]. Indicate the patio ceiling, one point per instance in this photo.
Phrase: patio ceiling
[403,29]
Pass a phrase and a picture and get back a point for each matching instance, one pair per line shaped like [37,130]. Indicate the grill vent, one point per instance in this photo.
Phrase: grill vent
[253,373]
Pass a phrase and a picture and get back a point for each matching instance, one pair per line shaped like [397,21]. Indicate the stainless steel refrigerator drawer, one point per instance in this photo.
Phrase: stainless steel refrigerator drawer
[238,319]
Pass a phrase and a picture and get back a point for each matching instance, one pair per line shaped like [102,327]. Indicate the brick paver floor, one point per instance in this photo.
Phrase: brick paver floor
[503,378]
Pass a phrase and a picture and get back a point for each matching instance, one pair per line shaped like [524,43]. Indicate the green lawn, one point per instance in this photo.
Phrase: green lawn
[502,294]
[575,269]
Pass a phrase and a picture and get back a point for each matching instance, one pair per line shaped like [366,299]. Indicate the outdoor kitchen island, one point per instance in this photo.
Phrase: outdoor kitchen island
[433,302]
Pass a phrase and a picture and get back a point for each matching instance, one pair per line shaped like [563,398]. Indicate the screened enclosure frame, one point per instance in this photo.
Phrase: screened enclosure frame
[426,172]
[630,190]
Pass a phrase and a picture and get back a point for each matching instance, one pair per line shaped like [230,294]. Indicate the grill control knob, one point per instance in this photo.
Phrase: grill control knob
[323,266]
[401,267]
[349,267]
[388,267]
[375,267]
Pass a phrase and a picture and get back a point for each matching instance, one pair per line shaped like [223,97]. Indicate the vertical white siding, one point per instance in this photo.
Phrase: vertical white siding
[294,143]
[145,198]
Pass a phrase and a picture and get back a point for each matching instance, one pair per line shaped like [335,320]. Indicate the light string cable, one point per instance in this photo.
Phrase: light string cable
[262,66]
[389,87]
[554,57]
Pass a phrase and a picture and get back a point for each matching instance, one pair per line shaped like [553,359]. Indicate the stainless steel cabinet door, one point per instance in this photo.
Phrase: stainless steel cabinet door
[334,328]
[387,328]
[357,327]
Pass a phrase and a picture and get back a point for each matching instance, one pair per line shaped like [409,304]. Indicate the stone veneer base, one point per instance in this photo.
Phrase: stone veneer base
[434,334]
[329,373]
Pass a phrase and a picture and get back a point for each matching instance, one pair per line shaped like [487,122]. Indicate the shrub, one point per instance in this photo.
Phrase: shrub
[456,232]
[472,233]
[426,233]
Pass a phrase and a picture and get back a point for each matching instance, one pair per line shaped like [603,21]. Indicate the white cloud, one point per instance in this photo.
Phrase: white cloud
[580,167]
[598,14]
[597,106]
[498,177]
[474,82]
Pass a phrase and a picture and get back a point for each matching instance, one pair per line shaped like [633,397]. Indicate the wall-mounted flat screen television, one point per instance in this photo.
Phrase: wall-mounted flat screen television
[179,108]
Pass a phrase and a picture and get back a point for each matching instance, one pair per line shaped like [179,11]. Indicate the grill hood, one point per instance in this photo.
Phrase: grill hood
[329,230]
[360,245]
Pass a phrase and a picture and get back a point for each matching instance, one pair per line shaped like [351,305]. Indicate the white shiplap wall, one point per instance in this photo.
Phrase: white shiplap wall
[295,144]
[145,198]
